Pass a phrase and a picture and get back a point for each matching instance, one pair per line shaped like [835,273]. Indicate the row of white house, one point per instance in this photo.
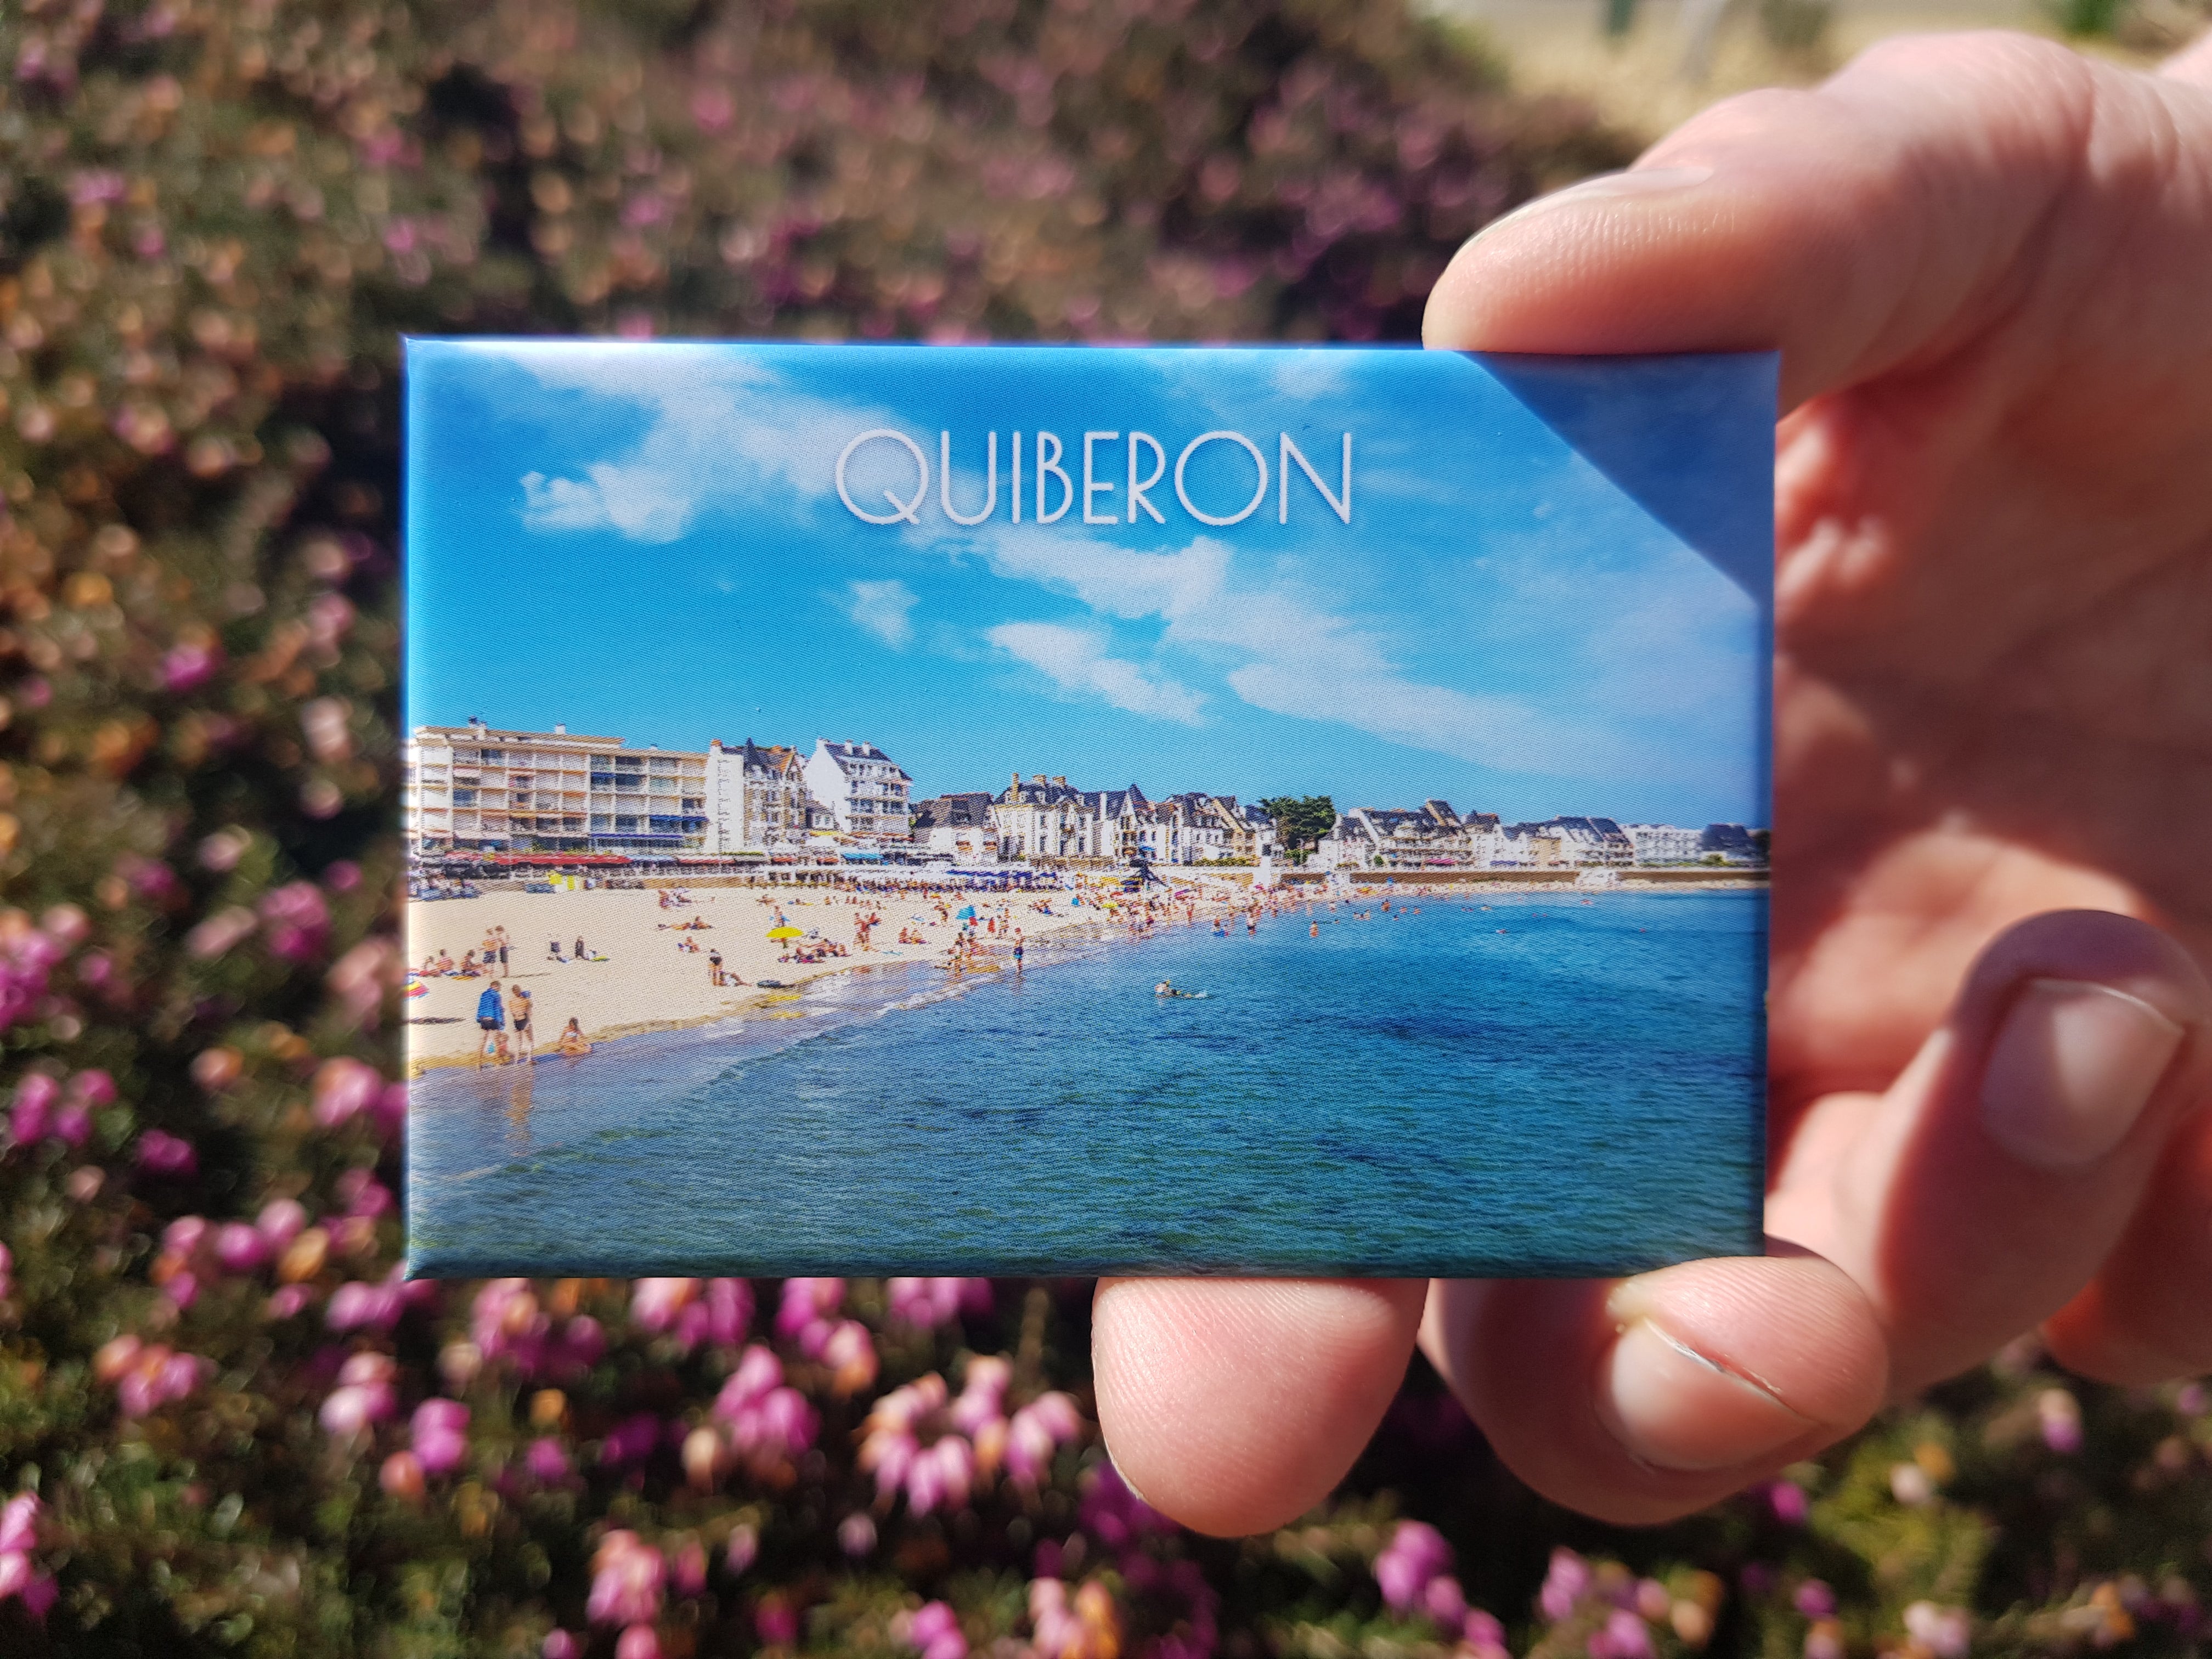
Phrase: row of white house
[475,789]
[1046,820]
[1432,834]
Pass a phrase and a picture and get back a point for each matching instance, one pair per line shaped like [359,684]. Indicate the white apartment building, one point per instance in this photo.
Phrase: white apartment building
[1663,843]
[476,789]
[756,799]
[866,792]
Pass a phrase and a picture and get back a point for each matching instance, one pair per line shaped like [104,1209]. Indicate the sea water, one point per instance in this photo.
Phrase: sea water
[1520,1085]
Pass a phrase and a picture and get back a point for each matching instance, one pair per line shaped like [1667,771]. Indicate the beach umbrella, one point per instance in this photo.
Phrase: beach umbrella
[965,913]
[787,932]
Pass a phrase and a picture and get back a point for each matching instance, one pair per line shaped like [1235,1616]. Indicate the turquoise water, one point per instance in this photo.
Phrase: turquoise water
[1541,1086]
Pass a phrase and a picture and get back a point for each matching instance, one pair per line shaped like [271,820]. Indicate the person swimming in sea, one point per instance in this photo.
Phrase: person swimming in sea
[1166,988]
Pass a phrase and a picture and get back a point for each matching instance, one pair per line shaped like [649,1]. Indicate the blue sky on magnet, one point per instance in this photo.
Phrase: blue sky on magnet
[649,541]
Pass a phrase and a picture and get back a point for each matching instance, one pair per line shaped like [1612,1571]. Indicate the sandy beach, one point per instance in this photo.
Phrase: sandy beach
[641,973]
[649,981]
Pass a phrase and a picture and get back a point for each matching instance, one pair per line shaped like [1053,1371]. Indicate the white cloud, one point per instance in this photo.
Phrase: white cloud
[1292,655]
[883,609]
[724,431]
[1075,658]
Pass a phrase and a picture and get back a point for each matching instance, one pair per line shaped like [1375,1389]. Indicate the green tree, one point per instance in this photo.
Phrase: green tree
[1303,819]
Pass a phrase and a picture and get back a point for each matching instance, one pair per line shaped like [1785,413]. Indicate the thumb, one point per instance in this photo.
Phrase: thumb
[1937,186]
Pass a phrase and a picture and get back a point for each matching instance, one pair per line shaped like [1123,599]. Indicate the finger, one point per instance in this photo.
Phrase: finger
[1989,1184]
[1639,1401]
[2148,1316]
[1885,216]
[1235,1405]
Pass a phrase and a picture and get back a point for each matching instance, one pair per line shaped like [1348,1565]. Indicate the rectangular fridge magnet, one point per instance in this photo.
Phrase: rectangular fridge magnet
[1041,809]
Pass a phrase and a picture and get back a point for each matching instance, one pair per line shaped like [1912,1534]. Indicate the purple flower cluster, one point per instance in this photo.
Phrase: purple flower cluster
[20,1575]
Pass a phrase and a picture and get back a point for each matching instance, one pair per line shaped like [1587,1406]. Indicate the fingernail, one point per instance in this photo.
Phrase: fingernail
[1605,186]
[2071,1070]
[1673,1408]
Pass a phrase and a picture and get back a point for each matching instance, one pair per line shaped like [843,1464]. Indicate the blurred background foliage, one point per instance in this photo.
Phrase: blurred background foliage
[225,1427]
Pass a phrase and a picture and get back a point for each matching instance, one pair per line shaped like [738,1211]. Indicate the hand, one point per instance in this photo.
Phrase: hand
[1988,264]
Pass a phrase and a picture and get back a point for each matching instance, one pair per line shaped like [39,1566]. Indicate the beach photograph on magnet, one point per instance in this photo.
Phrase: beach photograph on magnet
[1060,810]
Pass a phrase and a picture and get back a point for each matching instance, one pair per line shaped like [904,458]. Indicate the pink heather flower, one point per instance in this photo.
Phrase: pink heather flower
[7,1273]
[19,1524]
[27,956]
[239,1248]
[547,1460]
[1788,1500]
[1815,1599]
[560,1645]
[856,1535]
[933,1629]
[187,667]
[154,1376]
[1947,1633]
[215,935]
[183,1288]
[983,1396]
[655,1303]
[364,1395]
[1484,1634]
[506,1322]
[1113,1515]
[1623,1636]
[804,1313]
[1825,1640]
[627,1575]
[14,1574]
[363,1195]
[638,1642]
[687,1569]
[1416,1553]
[35,1097]
[758,1371]
[73,1124]
[941,1473]
[161,1153]
[1563,1585]
[288,1301]
[297,920]
[93,1088]
[282,1222]
[1036,1433]
[928,1302]
[775,1621]
[850,1353]
[357,1304]
[729,1305]
[440,1428]
[632,1440]
[582,1342]
[1445,1603]
[342,1088]
[744,1548]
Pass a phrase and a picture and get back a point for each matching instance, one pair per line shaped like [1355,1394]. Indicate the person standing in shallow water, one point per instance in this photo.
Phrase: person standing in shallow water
[491,1020]
[526,1042]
